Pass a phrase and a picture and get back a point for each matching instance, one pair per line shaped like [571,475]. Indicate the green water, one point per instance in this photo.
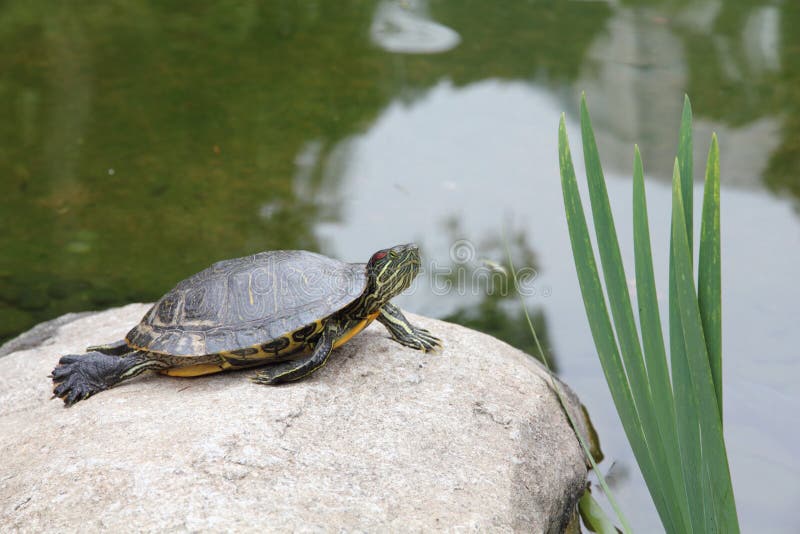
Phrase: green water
[140,142]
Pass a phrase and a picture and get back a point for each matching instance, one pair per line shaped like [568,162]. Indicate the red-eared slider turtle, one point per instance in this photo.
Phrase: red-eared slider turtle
[287,306]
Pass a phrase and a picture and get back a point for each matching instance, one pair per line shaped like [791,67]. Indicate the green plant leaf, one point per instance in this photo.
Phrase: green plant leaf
[674,427]
[685,402]
[596,312]
[709,274]
[600,324]
[686,164]
[722,507]
[625,326]
[653,343]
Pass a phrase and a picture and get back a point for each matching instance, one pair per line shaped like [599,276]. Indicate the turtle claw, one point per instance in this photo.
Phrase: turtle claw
[70,382]
[63,369]
[69,358]
[420,339]
[265,379]
[274,374]
[72,397]
[428,342]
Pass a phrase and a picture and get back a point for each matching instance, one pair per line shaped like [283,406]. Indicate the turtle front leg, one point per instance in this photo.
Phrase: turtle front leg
[118,348]
[406,333]
[79,376]
[297,369]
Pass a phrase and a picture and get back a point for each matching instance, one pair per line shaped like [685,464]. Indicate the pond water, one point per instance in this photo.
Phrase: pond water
[141,142]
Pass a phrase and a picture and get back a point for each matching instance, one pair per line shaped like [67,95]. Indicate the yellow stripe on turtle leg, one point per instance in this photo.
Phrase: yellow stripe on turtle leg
[404,332]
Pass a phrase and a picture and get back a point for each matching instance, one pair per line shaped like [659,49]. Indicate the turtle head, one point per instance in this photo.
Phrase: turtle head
[390,271]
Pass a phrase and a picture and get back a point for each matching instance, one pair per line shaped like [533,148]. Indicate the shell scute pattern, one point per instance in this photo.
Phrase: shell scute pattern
[276,345]
[243,353]
[195,302]
[305,333]
[167,310]
[249,302]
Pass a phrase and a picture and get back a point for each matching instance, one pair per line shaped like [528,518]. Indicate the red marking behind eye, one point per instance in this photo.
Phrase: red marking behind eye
[378,256]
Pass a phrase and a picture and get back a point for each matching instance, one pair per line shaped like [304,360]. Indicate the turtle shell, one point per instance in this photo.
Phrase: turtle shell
[248,301]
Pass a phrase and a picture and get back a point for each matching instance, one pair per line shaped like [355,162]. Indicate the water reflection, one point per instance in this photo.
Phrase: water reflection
[406,27]
[632,70]
[429,165]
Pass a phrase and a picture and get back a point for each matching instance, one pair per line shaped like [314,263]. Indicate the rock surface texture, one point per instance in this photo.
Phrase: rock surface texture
[383,438]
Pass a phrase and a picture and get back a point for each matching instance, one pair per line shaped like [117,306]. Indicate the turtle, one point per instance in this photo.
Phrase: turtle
[286,310]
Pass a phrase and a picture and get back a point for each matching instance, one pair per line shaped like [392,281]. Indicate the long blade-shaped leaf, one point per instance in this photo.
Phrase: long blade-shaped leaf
[686,407]
[622,313]
[686,162]
[653,341]
[715,457]
[685,402]
[709,270]
[597,314]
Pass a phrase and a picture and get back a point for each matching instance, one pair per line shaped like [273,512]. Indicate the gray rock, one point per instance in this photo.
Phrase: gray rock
[39,334]
[383,438]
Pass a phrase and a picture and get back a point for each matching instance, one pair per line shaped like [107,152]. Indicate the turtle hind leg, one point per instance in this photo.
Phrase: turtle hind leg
[297,369]
[79,376]
[118,348]
[406,333]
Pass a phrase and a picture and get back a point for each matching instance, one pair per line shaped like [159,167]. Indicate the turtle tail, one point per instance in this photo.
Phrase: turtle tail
[79,376]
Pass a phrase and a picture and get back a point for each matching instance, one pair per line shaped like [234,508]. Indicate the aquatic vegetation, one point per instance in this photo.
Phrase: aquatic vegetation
[671,414]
